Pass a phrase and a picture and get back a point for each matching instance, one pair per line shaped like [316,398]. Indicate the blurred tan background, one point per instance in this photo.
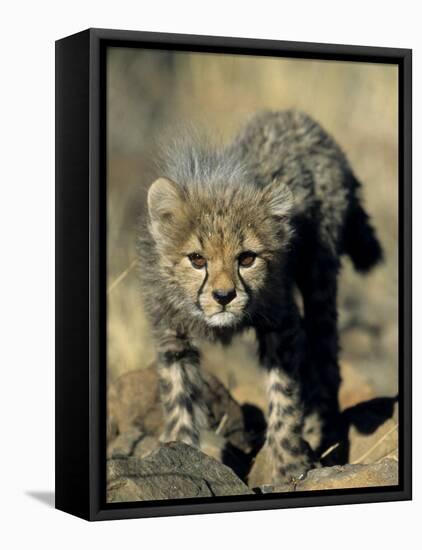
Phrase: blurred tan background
[151,92]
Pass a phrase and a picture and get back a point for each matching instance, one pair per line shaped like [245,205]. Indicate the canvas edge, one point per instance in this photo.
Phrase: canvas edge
[95,490]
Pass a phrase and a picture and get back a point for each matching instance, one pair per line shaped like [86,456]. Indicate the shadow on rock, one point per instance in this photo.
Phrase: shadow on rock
[368,416]
[355,424]
[255,426]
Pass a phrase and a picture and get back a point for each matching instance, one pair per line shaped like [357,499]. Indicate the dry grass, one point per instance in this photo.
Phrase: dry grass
[393,452]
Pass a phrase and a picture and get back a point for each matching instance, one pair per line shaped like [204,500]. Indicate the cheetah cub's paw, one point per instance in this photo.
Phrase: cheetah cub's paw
[293,472]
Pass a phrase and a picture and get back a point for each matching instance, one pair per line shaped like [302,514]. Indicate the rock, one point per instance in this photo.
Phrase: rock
[135,418]
[384,473]
[132,401]
[261,471]
[174,470]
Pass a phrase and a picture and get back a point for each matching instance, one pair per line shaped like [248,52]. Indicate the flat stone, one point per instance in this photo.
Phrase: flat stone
[378,474]
[174,470]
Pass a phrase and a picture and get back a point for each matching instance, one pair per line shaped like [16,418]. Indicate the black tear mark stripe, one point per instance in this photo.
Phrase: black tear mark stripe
[201,288]
[245,285]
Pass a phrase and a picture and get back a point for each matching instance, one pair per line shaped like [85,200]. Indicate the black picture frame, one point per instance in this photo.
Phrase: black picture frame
[81,272]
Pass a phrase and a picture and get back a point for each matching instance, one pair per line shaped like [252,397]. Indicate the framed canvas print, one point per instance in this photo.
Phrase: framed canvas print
[233,274]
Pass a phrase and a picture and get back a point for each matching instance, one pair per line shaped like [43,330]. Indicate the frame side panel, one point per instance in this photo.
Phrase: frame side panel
[406,258]
[72,275]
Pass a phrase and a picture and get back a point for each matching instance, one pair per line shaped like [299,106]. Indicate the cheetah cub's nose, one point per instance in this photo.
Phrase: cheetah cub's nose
[224,297]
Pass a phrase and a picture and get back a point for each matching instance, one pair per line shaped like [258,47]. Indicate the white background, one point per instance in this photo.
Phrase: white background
[27,272]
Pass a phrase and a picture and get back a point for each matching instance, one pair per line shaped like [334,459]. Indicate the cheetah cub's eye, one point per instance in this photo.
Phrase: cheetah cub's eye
[197,261]
[247,259]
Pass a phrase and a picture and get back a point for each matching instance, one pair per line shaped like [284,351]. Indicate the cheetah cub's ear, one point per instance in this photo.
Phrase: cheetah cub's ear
[165,207]
[279,199]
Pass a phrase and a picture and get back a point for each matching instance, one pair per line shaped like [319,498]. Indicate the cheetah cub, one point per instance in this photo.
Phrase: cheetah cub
[229,236]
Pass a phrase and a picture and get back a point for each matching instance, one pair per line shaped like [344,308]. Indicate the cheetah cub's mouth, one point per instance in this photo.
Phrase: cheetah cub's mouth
[222,319]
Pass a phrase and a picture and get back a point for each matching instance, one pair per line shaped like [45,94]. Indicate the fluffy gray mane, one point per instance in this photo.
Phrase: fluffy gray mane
[192,157]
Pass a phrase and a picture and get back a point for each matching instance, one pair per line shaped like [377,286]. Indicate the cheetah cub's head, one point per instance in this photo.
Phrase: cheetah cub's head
[218,243]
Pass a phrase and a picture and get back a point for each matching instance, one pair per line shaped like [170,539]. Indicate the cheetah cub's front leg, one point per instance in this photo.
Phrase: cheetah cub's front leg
[290,455]
[181,390]
[289,452]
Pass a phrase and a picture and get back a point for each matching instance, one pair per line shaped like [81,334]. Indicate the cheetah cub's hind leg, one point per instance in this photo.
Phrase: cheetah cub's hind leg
[317,281]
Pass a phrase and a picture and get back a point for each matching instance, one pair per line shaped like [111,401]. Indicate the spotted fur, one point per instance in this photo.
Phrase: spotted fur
[229,235]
